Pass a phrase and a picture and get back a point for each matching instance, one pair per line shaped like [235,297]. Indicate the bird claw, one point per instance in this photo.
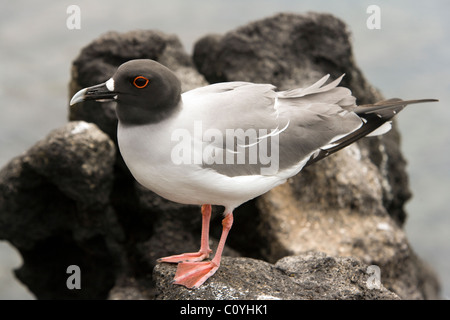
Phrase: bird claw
[193,274]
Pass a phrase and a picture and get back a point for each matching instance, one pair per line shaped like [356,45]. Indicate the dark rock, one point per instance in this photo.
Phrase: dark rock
[67,173]
[312,275]
[54,208]
[78,159]
[71,200]
[132,289]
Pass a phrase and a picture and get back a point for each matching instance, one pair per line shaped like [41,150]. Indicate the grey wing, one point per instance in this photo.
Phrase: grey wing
[255,130]
[319,115]
[236,118]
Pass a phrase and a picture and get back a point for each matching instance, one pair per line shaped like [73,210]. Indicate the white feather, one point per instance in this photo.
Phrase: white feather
[385,127]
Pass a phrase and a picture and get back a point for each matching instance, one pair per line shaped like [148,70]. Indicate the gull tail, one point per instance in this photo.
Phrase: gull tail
[376,120]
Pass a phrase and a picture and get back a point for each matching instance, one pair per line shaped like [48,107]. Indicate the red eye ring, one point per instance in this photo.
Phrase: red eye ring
[138,83]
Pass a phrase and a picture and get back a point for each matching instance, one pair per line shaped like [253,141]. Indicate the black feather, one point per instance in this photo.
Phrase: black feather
[374,115]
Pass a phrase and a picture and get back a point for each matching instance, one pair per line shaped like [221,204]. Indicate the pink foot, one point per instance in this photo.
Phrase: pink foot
[193,274]
[186,257]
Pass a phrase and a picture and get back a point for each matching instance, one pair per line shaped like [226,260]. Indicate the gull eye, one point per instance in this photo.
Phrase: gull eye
[140,82]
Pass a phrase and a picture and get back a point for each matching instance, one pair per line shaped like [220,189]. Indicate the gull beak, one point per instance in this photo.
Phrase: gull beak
[100,92]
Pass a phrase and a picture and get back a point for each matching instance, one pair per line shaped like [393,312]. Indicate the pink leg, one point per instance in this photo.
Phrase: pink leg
[204,251]
[194,274]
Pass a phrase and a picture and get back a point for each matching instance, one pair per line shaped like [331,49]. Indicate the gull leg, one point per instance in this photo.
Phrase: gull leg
[204,251]
[194,274]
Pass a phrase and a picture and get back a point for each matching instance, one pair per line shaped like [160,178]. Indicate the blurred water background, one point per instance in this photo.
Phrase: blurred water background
[408,58]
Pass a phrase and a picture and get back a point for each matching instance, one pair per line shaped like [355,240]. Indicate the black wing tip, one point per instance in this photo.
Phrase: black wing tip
[374,122]
[389,104]
[420,101]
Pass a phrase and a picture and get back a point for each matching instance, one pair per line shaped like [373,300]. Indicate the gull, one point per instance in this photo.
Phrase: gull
[226,143]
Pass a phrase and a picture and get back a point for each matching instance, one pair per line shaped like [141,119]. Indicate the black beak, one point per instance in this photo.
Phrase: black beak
[98,92]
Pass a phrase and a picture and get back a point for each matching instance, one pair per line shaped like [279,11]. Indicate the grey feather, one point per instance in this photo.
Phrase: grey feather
[305,124]
[311,117]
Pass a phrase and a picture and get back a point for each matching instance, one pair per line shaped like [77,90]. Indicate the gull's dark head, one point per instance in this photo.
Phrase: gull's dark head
[145,91]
